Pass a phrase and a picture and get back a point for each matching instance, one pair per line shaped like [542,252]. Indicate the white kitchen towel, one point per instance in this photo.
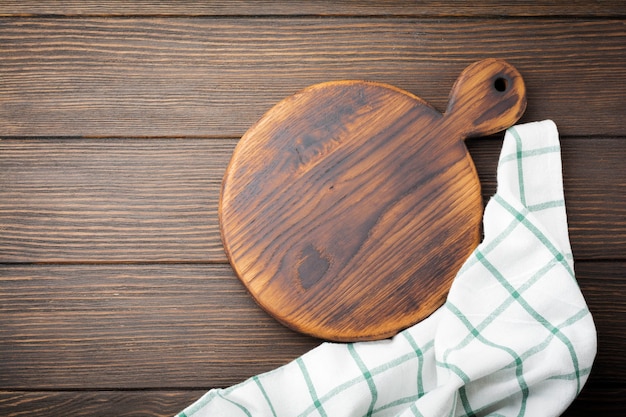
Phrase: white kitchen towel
[514,338]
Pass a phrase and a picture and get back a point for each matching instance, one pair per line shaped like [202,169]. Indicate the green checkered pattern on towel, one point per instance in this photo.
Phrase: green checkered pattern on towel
[515,337]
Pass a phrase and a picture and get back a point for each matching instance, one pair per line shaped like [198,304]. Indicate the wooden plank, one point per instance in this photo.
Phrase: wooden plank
[594,399]
[603,284]
[130,200]
[147,200]
[186,326]
[215,77]
[598,399]
[96,403]
[139,326]
[303,7]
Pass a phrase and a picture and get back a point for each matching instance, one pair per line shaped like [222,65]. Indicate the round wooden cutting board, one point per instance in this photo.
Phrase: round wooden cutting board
[349,207]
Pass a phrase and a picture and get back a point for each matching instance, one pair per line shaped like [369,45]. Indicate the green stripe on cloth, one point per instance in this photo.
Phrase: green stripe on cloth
[491,245]
[454,369]
[367,375]
[544,343]
[500,309]
[269,403]
[401,401]
[520,168]
[572,375]
[357,380]
[420,362]
[546,205]
[521,217]
[525,154]
[415,411]
[316,402]
[469,412]
[236,404]
[538,317]
[519,371]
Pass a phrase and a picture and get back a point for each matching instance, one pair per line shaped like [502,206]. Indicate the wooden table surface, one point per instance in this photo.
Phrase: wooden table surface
[117,121]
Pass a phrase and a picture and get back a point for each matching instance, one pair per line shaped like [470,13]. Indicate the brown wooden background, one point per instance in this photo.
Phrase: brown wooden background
[117,120]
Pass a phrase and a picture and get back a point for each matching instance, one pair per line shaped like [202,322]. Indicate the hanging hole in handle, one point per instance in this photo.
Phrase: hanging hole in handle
[500,84]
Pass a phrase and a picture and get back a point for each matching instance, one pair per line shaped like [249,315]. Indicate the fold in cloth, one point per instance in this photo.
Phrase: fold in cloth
[514,338]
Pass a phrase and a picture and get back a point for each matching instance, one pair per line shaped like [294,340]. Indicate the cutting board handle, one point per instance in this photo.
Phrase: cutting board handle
[489,96]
